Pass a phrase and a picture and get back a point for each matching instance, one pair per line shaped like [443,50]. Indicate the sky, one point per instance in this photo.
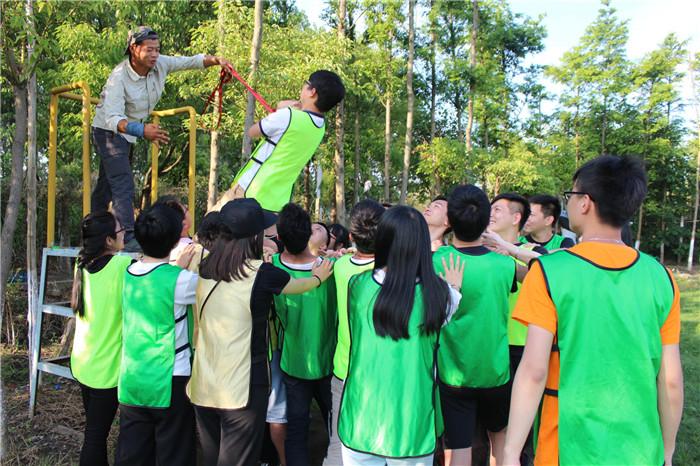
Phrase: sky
[649,21]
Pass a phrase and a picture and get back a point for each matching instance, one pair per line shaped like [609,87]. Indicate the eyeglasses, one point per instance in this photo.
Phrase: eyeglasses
[120,230]
[567,195]
[308,83]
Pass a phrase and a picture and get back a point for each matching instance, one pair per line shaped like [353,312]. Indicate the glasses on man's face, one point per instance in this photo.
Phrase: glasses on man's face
[567,195]
[121,230]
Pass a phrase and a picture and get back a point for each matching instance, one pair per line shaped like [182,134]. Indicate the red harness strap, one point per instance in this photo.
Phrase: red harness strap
[224,78]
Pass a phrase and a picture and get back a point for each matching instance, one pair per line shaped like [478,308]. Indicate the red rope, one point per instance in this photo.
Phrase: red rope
[225,78]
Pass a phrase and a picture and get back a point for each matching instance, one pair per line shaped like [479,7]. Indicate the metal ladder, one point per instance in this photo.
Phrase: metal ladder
[48,365]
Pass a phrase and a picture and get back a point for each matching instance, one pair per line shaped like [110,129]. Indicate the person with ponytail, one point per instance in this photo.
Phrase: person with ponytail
[97,302]
[395,313]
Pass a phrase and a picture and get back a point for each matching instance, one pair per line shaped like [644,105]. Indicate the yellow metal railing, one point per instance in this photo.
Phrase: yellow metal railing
[155,152]
[87,100]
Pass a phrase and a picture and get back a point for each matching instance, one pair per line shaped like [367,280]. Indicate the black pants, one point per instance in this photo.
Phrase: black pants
[165,437]
[116,181]
[299,395]
[233,437]
[100,407]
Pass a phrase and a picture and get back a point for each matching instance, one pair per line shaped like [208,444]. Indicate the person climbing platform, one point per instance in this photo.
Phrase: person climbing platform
[132,91]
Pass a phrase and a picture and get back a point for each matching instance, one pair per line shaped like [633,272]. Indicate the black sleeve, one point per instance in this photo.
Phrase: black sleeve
[271,279]
[567,243]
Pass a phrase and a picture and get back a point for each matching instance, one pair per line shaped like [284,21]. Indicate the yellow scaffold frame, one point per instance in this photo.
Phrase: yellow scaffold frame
[87,99]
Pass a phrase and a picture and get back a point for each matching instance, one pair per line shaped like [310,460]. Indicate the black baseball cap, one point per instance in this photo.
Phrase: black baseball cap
[138,35]
[245,218]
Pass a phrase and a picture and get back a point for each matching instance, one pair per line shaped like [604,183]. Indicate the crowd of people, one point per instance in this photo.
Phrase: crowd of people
[415,333]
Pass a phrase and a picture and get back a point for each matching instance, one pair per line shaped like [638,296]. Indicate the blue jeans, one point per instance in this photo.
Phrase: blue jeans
[115,182]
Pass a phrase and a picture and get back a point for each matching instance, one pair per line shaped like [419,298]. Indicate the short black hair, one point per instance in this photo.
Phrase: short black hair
[294,228]
[329,89]
[172,201]
[364,219]
[440,198]
[341,234]
[524,208]
[549,205]
[157,230]
[468,211]
[617,186]
[209,229]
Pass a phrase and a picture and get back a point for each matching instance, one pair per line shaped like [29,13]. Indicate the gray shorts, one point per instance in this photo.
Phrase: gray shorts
[277,403]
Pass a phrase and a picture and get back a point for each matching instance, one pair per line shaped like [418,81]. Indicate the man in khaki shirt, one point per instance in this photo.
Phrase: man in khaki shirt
[129,96]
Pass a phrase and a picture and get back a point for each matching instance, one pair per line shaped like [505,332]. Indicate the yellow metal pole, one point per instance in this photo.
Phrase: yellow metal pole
[86,148]
[51,195]
[193,161]
[155,149]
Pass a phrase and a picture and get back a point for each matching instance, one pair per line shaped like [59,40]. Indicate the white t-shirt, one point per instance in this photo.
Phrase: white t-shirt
[272,128]
[185,288]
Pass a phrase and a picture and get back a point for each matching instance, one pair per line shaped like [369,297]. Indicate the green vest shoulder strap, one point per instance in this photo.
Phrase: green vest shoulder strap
[387,373]
[272,184]
[554,242]
[609,343]
[148,332]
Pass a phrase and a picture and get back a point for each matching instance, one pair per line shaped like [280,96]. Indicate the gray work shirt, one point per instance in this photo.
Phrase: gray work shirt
[130,96]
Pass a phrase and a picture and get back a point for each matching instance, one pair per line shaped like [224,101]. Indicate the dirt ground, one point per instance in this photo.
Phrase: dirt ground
[53,437]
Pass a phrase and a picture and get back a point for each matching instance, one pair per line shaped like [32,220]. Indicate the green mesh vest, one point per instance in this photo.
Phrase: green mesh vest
[608,331]
[272,184]
[97,346]
[517,332]
[554,242]
[480,324]
[309,324]
[148,337]
[390,404]
[343,270]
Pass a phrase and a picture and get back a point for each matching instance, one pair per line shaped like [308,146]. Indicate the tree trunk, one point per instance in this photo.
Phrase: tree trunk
[409,111]
[472,82]
[604,126]
[319,183]
[32,276]
[9,223]
[638,241]
[662,247]
[697,170]
[339,155]
[254,60]
[387,147]
[212,189]
[358,170]
[307,186]
[433,71]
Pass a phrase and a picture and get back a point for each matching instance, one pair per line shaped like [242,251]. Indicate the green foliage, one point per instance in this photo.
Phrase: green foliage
[607,103]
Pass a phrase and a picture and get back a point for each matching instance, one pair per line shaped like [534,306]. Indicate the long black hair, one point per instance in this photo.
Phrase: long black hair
[95,228]
[402,245]
[229,257]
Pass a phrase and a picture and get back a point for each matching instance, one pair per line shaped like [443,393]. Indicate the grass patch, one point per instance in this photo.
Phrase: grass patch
[688,443]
